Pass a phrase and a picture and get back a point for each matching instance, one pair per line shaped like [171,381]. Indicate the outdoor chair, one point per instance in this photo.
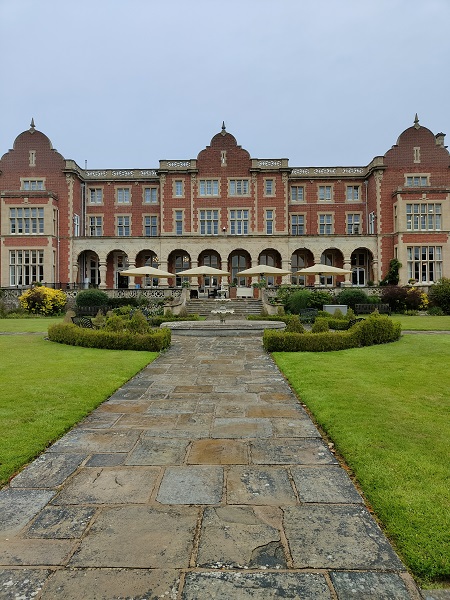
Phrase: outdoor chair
[83,322]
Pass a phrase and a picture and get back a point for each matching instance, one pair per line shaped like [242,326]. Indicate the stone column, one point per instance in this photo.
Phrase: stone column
[102,269]
[348,276]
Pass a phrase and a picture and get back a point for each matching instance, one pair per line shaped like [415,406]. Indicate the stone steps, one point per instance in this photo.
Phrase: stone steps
[241,307]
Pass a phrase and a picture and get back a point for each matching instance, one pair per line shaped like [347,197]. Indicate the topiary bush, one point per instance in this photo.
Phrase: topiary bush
[41,300]
[376,329]
[352,296]
[320,325]
[439,295]
[91,298]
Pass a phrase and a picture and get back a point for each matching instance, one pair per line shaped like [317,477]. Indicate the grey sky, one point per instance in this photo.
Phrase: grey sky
[125,83]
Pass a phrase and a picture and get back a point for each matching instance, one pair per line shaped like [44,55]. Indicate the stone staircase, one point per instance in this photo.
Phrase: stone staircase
[242,307]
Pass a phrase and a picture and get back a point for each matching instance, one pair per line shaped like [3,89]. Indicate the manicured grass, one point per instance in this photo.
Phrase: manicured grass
[386,408]
[28,325]
[46,388]
[423,322]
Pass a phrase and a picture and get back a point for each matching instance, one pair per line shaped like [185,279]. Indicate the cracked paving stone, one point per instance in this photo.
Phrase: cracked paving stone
[255,586]
[112,584]
[238,537]
[121,485]
[337,537]
[369,586]
[139,537]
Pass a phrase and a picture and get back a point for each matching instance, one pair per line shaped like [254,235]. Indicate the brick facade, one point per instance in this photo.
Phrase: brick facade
[72,226]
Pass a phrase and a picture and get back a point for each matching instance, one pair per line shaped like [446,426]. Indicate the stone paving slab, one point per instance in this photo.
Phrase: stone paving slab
[201,478]
[112,584]
[255,586]
[139,537]
[337,537]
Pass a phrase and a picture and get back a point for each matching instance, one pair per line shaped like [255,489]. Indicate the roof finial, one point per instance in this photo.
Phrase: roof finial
[32,128]
[416,122]
[223,128]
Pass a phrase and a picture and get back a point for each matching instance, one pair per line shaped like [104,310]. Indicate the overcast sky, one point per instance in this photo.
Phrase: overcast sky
[125,83]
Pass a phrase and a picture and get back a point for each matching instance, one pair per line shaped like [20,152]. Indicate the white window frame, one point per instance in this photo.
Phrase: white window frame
[326,223]
[208,221]
[208,188]
[150,225]
[296,191]
[32,185]
[26,266]
[26,220]
[238,187]
[269,218]
[417,180]
[325,193]
[239,221]
[178,220]
[178,188]
[95,225]
[354,223]
[150,195]
[269,186]
[123,225]
[123,195]
[297,224]
[95,195]
[353,193]
[424,263]
[423,216]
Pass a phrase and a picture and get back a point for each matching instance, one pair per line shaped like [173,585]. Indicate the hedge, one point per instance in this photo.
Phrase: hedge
[72,335]
[376,329]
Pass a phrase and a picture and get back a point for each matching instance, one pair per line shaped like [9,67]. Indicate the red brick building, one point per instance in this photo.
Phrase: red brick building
[64,224]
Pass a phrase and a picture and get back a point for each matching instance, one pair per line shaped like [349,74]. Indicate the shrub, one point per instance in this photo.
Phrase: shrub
[293,324]
[298,300]
[392,276]
[321,297]
[277,341]
[42,300]
[376,329]
[320,325]
[435,311]
[65,333]
[351,297]
[91,298]
[395,296]
[439,295]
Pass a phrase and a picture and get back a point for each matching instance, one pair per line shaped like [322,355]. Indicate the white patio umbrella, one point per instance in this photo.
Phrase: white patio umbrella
[201,271]
[262,270]
[147,270]
[319,269]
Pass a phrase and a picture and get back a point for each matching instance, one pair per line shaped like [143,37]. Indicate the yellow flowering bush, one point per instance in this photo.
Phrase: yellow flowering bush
[41,300]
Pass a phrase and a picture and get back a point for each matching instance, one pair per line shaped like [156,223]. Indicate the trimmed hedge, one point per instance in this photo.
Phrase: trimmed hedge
[376,329]
[67,333]
[276,341]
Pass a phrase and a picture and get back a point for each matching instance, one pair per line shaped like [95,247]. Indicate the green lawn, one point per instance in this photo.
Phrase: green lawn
[423,322]
[46,388]
[28,325]
[386,408]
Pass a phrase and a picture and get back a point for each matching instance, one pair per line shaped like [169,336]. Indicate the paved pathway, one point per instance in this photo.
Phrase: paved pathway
[202,478]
